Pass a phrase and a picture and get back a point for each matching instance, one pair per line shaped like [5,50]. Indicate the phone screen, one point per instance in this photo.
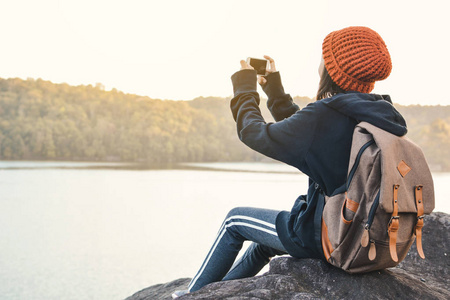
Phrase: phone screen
[258,64]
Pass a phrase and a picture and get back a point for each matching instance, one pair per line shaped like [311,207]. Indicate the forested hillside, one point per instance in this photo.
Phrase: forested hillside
[40,120]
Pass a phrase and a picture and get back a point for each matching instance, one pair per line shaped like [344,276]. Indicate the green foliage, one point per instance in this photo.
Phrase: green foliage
[429,127]
[40,120]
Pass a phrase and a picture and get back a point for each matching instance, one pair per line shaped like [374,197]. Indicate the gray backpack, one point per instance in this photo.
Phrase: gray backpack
[373,223]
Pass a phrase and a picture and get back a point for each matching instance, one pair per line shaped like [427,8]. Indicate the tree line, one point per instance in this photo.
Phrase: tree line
[40,120]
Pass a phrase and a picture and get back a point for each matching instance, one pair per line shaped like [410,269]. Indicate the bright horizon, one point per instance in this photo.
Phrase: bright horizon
[181,50]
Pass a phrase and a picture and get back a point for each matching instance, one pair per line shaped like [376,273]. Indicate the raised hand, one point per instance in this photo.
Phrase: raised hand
[261,79]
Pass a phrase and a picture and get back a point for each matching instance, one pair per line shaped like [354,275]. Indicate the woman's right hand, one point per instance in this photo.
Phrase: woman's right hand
[262,80]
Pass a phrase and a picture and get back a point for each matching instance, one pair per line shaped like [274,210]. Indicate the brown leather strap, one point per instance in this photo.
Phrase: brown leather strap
[419,224]
[350,204]
[326,244]
[393,227]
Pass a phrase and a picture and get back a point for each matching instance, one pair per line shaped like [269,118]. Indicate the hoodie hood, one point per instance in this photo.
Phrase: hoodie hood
[372,108]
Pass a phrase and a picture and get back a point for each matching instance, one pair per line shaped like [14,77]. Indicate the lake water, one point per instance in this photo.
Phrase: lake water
[104,231]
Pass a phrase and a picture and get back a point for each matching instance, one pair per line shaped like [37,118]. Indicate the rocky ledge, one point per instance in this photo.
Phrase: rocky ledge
[290,278]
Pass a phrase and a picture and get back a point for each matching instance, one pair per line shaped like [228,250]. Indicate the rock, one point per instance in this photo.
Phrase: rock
[161,291]
[291,278]
[434,270]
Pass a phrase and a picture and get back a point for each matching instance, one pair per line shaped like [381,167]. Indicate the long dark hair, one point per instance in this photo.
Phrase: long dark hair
[327,87]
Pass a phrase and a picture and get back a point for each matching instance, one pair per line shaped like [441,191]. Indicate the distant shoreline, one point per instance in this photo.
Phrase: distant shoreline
[241,166]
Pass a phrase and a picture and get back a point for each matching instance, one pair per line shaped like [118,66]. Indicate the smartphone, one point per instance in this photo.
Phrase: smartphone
[258,64]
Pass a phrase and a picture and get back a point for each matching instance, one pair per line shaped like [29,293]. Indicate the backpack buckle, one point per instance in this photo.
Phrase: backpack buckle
[392,218]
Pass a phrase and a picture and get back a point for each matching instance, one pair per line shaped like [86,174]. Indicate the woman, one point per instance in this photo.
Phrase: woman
[316,140]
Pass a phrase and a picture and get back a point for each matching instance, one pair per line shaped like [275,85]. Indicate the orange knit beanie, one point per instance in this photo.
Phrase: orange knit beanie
[356,57]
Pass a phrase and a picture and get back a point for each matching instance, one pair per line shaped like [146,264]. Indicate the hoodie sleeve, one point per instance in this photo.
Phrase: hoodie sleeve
[287,140]
[280,104]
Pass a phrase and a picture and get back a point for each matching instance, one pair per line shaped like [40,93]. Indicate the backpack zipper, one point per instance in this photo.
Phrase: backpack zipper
[365,237]
[358,158]
[373,251]
[372,211]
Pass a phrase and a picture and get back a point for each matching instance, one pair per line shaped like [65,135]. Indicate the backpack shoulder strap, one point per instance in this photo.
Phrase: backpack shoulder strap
[419,224]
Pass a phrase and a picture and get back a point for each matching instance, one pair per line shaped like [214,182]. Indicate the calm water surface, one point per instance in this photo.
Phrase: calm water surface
[95,231]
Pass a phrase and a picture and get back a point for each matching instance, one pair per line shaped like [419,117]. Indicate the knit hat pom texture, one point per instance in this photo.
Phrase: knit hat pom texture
[356,57]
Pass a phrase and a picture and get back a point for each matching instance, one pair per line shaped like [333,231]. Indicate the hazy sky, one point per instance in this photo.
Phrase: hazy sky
[183,49]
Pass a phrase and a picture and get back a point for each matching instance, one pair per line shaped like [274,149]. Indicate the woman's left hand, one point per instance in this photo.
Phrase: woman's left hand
[245,66]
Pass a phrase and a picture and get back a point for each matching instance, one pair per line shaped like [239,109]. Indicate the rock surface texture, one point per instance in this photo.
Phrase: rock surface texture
[290,278]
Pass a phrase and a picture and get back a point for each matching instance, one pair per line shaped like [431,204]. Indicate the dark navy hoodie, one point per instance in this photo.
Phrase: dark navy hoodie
[316,140]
